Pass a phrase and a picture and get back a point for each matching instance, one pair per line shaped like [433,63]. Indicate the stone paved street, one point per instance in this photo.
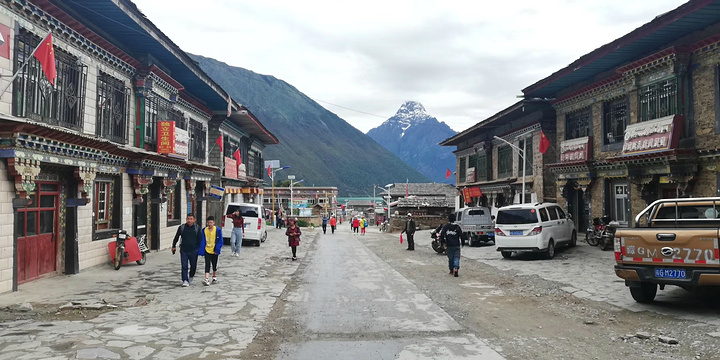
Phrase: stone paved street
[348,297]
[212,322]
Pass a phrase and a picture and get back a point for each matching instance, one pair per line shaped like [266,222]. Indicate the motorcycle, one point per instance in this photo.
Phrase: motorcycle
[600,233]
[436,244]
[127,249]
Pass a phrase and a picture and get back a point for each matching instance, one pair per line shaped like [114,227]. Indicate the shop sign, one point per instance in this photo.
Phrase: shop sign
[651,136]
[575,150]
[172,141]
[231,169]
[470,175]
[216,192]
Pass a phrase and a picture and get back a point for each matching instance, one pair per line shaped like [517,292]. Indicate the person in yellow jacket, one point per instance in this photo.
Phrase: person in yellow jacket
[211,243]
[363,224]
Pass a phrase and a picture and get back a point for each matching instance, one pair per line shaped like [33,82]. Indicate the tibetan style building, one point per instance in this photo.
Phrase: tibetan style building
[121,140]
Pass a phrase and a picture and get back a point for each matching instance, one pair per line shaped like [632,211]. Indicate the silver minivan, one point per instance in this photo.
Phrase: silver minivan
[254,216]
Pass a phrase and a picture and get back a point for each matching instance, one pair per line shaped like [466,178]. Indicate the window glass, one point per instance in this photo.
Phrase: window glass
[658,99]
[47,201]
[47,221]
[505,161]
[20,224]
[552,213]
[577,124]
[517,216]
[560,211]
[48,187]
[543,215]
[615,119]
[31,221]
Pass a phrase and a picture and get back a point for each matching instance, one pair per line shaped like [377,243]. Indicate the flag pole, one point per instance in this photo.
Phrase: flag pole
[27,61]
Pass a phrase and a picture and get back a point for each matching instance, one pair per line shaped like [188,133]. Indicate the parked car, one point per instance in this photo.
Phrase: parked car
[254,216]
[673,242]
[537,227]
[476,223]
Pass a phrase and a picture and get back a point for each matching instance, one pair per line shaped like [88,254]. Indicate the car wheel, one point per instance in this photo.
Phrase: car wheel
[257,243]
[645,293]
[573,239]
[506,254]
[550,252]
[264,237]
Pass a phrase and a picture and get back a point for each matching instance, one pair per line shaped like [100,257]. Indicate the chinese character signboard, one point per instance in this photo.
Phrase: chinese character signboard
[471,192]
[172,141]
[231,168]
[575,150]
[651,136]
[470,175]
[166,137]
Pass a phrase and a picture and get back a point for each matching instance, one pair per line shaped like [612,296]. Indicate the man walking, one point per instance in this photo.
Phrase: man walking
[238,232]
[190,233]
[450,237]
[410,231]
[324,223]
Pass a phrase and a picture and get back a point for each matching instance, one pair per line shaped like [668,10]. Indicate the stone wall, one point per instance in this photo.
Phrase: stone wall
[7,252]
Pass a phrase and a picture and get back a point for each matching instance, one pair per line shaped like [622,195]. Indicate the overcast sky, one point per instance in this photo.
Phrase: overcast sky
[463,60]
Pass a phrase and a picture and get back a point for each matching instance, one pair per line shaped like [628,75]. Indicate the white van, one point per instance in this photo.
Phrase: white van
[477,225]
[254,216]
[533,228]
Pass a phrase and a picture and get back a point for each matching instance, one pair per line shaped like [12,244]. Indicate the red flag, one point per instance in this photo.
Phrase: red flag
[219,143]
[269,171]
[448,173]
[46,55]
[544,143]
[237,156]
[229,106]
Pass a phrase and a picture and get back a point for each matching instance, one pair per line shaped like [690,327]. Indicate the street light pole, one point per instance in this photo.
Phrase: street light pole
[521,152]
[292,203]
[272,180]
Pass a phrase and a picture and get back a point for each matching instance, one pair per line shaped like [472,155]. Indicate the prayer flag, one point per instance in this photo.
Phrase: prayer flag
[448,173]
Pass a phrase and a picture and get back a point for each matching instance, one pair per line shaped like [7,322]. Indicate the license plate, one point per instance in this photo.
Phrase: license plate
[516,232]
[670,273]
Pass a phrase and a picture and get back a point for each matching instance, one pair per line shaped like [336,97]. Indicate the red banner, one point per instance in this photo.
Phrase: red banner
[471,192]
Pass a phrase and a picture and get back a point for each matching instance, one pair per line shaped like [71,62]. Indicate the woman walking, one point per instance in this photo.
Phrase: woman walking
[333,224]
[293,233]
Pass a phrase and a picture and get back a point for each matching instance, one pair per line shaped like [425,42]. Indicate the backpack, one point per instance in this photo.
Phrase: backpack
[197,230]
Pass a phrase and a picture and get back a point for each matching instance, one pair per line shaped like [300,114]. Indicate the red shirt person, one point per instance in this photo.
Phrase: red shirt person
[237,232]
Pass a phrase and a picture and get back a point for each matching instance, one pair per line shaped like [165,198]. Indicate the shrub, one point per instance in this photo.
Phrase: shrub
[302,223]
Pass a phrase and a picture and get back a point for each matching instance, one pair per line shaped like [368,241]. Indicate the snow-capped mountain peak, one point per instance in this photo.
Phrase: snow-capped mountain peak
[411,110]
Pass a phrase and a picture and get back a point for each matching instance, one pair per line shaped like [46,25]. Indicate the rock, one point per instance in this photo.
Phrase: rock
[643,335]
[25,307]
[715,334]
[589,322]
[667,340]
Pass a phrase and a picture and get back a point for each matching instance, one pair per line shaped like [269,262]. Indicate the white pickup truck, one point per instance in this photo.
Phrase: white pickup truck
[477,224]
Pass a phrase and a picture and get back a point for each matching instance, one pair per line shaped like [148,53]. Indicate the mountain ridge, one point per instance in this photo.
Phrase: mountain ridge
[413,135]
[321,148]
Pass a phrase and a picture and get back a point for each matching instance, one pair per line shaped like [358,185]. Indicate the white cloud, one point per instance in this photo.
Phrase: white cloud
[463,60]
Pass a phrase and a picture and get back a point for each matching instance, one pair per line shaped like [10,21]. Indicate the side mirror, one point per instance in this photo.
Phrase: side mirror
[568,216]
[492,217]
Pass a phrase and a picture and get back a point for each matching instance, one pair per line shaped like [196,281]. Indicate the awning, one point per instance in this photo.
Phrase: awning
[237,190]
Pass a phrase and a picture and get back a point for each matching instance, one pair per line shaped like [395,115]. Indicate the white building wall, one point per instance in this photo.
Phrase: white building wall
[7,193]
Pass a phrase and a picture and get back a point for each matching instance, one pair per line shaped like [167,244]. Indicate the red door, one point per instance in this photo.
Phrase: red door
[36,228]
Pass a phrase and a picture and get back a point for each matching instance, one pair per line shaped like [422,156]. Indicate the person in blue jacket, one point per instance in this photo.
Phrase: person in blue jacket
[211,242]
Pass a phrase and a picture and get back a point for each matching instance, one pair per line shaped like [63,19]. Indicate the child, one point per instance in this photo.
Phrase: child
[293,233]
[211,243]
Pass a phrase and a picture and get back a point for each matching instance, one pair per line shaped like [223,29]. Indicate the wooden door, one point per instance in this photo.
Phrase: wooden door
[140,217]
[36,228]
